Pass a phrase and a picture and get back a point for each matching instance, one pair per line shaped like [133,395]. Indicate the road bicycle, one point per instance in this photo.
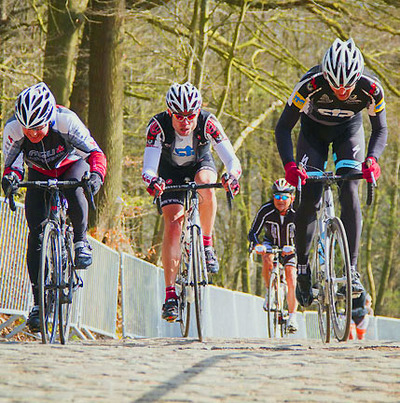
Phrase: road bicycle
[192,277]
[57,279]
[330,262]
[277,308]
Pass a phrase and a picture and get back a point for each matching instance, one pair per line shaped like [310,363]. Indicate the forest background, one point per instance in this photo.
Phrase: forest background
[112,61]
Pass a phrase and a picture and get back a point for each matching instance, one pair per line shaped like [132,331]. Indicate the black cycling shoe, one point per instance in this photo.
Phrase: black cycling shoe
[170,310]
[33,321]
[304,294]
[211,260]
[83,255]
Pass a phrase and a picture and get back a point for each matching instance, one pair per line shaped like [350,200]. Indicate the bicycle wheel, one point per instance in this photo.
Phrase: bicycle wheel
[273,305]
[197,262]
[49,284]
[320,281]
[339,289]
[183,290]
[66,289]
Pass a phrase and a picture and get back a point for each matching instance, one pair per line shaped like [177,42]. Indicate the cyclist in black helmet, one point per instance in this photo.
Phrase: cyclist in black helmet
[53,143]
[178,147]
[276,218]
[328,100]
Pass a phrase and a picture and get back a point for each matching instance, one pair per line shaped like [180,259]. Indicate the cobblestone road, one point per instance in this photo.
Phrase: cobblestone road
[180,370]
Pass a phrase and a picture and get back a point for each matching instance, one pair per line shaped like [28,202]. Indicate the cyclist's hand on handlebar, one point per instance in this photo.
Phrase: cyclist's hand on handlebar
[371,169]
[9,183]
[95,182]
[288,250]
[230,183]
[293,173]
[156,187]
[260,249]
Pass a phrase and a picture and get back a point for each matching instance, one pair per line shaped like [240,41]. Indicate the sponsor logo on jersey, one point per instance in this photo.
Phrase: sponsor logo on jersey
[48,155]
[153,131]
[337,113]
[325,99]
[298,100]
[213,131]
[184,152]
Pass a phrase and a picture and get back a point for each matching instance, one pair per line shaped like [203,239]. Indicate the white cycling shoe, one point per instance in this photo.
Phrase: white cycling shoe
[292,326]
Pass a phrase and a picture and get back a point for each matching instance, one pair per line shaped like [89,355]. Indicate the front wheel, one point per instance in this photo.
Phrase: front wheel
[49,284]
[273,305]
[340,295]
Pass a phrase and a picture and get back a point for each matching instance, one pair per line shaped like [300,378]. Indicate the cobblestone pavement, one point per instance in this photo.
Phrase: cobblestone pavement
[184,370]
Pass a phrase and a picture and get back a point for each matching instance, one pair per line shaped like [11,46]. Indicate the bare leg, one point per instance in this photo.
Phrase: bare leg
[208,201]
[290,272]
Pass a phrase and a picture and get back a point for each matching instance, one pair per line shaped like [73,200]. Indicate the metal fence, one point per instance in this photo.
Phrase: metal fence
[226,313]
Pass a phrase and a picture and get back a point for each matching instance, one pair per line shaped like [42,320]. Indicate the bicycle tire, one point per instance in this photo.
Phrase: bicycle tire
[49,282]
[196,267]
[283,309]
[273,305]
[318,270]
[183,288]
[66,290]
[340,295]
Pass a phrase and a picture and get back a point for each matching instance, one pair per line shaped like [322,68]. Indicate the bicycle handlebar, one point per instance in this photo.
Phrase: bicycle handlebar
[330,177]
[56,184]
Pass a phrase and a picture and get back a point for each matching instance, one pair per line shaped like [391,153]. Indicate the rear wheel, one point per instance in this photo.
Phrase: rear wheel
[66,290]
[183,289]
[273,305]
[49,284]
[318,268]
[340,296]
[197,262]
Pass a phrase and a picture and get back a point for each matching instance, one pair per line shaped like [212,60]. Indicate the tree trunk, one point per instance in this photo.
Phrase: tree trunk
[79,99]
[65,18]
[106,102]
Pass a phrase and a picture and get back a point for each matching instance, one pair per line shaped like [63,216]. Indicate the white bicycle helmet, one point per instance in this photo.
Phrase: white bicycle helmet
[35,106]
[281,185]
[342,64]
[183,98]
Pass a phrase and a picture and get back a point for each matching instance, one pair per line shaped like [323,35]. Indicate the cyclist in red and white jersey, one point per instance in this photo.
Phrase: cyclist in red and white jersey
[328,100]
[53,143]
[177,148]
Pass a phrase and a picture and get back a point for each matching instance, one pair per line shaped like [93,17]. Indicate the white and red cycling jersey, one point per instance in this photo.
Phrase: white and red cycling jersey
[67,141]
[180,151]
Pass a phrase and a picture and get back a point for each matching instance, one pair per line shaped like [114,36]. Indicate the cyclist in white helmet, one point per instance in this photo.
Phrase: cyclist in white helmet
[178,147]
[276,219]
[53,143]
[328,100]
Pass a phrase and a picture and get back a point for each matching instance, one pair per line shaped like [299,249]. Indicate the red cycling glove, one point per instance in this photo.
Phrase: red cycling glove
[293,173]
[156,187]
[232,182]
[374,169]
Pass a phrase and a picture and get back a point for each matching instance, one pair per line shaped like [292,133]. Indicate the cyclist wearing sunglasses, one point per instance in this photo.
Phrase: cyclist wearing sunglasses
[328,100]
[276,218]
[54,143]
[177,149]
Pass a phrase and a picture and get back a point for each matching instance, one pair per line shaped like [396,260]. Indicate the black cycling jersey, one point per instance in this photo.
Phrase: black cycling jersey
[279,229]
[312,97]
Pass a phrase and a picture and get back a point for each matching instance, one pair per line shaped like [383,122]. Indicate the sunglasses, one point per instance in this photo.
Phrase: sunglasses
[279,197]
[180,118]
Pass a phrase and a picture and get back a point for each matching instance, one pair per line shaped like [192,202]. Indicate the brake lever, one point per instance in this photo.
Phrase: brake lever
[87,190]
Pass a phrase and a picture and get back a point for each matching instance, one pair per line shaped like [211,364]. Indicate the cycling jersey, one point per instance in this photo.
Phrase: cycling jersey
[67,141]
[312,97]
[279,229]
[163,143]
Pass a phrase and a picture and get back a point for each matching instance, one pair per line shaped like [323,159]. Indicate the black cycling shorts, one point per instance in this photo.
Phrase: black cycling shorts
[175,175]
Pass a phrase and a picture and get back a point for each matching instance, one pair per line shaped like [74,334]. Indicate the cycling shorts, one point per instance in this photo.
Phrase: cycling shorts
[176,175]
